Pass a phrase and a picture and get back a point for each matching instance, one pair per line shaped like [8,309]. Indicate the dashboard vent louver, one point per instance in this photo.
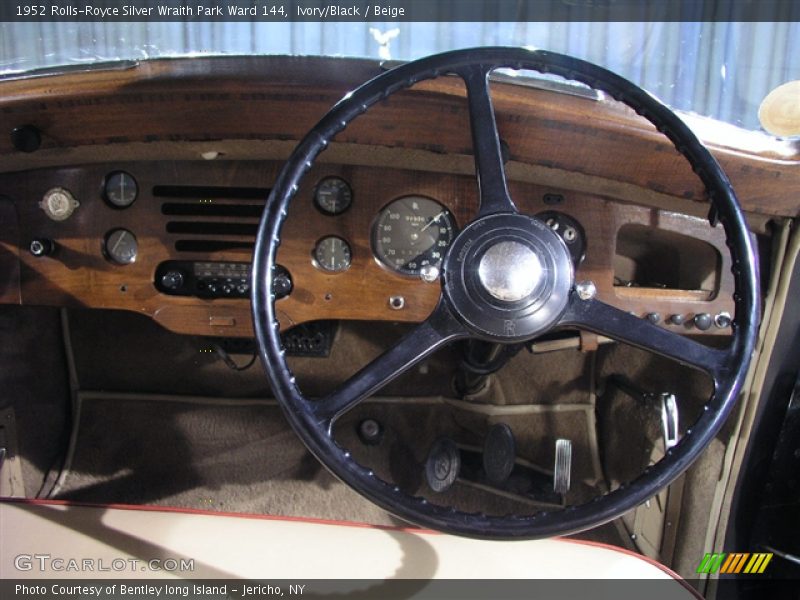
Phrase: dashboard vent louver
[205,219]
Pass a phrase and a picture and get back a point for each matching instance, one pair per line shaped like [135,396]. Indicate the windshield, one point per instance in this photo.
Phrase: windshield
[721,70]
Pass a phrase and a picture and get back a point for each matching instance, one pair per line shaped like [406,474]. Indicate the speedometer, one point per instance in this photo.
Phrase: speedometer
[412,232]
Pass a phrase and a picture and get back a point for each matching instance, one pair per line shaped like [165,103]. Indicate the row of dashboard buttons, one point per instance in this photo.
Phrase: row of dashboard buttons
[227,287]
[702,321]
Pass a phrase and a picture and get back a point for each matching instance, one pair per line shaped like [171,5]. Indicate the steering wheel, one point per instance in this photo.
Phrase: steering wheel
[506,278]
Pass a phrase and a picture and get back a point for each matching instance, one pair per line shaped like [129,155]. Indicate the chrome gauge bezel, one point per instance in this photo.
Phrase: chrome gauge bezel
[321,267]
[106,190]
[318,203]
[111,254]
[380,257]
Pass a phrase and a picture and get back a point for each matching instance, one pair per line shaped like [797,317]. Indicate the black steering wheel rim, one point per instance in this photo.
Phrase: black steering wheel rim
[728,368]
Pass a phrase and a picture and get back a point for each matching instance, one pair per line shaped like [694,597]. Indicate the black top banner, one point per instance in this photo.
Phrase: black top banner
[399,10]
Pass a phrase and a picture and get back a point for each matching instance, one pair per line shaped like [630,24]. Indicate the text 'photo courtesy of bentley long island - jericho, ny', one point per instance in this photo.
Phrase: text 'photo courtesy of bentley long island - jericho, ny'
[448,292]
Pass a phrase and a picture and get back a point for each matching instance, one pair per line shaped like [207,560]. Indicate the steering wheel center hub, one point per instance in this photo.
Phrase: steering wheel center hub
[510,271]
[507,276]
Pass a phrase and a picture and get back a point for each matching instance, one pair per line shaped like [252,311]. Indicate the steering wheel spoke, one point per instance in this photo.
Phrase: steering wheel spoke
[597,316]
[493,190]
[440,328]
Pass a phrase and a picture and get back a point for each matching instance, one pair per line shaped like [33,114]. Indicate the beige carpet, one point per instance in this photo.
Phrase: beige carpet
[238,456]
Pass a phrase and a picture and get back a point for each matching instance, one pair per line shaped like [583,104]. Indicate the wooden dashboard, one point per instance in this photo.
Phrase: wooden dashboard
[200,133]
[79,272]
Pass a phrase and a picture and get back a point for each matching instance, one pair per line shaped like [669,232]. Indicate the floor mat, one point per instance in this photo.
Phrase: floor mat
[223,455]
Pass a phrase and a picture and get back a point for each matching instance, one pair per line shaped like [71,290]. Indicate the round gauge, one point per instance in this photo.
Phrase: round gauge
[333,196]
[121,246]
[58,204]
[412,232]
[120,189]
[332,254]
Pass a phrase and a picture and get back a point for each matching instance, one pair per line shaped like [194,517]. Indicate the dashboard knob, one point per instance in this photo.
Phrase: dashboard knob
[703,321]
[26,138]
[722,320]
[172,280]
[42,247]
[429,273]
[370,432]
[677,319]
[282,282]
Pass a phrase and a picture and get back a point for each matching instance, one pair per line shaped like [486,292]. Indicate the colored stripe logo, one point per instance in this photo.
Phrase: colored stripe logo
[735,563]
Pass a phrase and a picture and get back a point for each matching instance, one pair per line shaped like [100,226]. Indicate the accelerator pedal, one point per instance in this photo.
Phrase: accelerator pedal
[562,472]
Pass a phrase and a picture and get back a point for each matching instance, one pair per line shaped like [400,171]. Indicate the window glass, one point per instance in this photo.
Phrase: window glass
[717,69]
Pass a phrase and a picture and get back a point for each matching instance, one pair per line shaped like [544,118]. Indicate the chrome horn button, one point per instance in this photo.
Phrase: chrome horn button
[510,271]
[507,277]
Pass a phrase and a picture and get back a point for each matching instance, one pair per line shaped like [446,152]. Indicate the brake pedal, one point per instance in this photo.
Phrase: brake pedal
[562,472]
[499,453]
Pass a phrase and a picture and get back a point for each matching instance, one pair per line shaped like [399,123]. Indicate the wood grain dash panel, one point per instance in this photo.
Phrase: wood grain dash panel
[78,274]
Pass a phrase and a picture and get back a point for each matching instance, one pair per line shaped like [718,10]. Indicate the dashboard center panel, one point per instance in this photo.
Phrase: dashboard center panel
[508,276]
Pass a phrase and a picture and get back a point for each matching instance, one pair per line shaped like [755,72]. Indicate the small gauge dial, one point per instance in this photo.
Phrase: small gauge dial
[121,247]
[120,189]
[332,254]
[333,196]
[412,232]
